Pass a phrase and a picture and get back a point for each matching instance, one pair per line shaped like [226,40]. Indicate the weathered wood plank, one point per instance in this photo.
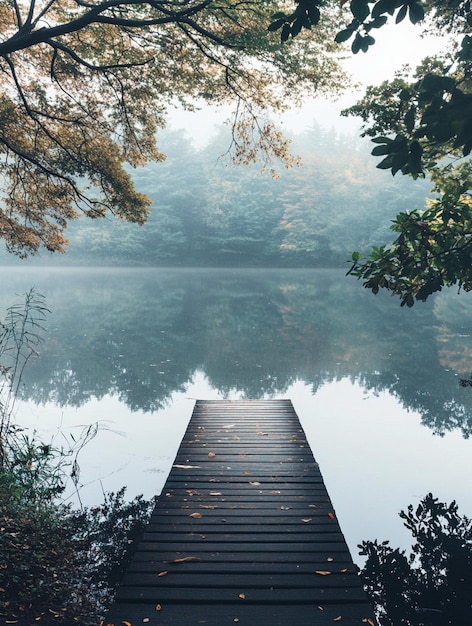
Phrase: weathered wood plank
[220,521]
[240,614]
[244,530]
[201,545]
[213,594]
[329,557]
[225,567]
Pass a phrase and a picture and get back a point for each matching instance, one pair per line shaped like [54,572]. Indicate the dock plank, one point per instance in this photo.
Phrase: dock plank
[244,530]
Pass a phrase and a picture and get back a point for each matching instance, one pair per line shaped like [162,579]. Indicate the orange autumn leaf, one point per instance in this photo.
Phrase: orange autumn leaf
[242,596]
[322,572]
[158,607]
[331,515]
[369,621]
[211,455]
[185,559]
[126,623]
[162,574]
[344,570]
[196,515]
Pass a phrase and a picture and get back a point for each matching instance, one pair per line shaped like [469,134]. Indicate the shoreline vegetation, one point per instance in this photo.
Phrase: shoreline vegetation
[58,565]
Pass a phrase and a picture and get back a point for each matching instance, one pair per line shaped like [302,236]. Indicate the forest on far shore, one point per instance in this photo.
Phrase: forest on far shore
[208,212]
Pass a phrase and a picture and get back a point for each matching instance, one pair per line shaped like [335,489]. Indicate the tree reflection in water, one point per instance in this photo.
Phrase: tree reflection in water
[141,335]
[432,585]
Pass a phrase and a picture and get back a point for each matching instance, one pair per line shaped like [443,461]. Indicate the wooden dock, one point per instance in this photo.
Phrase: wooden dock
[244,531]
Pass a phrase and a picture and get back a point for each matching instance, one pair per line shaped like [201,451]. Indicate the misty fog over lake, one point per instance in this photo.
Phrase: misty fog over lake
[375,386]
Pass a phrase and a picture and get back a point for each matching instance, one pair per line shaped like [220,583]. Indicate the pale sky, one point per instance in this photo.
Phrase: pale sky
[396,45]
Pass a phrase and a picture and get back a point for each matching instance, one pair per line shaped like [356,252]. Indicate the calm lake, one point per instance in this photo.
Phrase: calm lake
[375,386]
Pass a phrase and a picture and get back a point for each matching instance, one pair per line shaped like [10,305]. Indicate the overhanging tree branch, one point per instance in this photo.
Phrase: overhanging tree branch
[26,37]
[84,86]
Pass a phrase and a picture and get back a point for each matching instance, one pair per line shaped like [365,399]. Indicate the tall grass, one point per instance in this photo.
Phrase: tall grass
[20,335]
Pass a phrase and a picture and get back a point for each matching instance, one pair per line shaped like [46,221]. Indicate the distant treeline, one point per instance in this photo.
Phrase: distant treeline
[207,212]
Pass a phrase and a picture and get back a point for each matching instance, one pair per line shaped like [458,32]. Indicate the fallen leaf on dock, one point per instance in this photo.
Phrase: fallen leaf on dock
[307,519]
[211,455]
[254,483]
[185,559]
[367,620]
[158,607]
[195,515]
[162,574]
[322,572]
[331,515]
[338,618]
[242,596]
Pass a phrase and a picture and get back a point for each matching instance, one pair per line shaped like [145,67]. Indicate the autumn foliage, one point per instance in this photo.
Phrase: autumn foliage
[85,87]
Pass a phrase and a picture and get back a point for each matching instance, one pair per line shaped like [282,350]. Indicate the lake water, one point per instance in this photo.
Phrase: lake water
[375,386]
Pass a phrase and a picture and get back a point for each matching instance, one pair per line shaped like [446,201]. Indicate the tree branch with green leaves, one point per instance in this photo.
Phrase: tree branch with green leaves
[421,125]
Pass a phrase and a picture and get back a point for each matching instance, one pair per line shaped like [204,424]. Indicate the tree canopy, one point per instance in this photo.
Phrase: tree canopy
[86,85]
[421,124]
[206,214]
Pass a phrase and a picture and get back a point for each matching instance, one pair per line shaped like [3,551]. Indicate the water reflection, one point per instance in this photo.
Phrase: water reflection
[141,335]
[431,585]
